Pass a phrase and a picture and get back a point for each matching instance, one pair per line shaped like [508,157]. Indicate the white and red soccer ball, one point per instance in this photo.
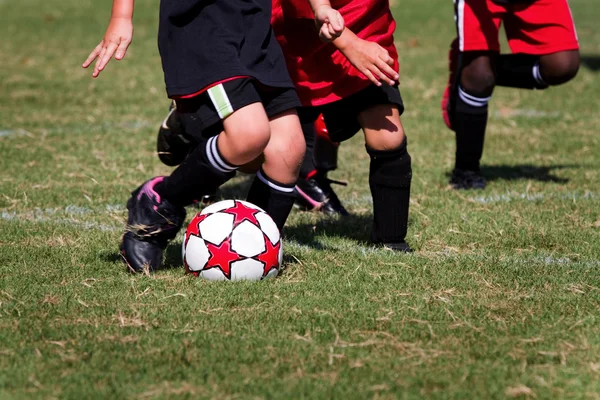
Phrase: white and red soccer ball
[232,240]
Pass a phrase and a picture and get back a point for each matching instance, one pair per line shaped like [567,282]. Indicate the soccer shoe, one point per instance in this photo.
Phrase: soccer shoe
[453,69]
[171,144]
[463,179]
[152,222]
[315,193]
[401,247]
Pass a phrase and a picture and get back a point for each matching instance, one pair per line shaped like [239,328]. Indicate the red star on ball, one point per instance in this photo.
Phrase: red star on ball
[242,213]
[194,227]
[222,257]
[269,257]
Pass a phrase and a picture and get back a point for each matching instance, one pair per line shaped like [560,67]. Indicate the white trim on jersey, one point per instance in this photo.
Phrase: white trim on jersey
[220,100]
[460,23]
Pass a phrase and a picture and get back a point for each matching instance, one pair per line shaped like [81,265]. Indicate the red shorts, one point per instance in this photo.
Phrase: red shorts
[541,27]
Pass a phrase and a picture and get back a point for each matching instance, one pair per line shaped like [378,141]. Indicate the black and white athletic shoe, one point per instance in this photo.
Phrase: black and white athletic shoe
[316,194]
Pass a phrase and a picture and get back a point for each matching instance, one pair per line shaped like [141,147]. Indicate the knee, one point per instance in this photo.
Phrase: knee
[477,76]
[559,68]
[251,140]
[289,146]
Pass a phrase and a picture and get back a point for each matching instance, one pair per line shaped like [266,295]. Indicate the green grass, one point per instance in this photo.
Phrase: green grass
[501,299]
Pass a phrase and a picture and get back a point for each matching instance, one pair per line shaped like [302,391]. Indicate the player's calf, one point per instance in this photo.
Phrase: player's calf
[273,187]
[390,177]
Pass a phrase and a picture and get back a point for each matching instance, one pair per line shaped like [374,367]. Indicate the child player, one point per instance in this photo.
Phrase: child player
[320,75]
[226,71]
[343,82]
[542,37]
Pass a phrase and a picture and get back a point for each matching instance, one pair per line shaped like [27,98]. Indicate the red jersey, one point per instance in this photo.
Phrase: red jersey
[320,72]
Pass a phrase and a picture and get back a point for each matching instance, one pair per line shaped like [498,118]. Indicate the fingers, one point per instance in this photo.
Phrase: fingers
[109,51]
[122,49]
[371,77]
[336,23]
[92,56]
[325,34]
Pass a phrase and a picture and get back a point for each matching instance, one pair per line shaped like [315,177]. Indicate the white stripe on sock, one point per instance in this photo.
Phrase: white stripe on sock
[472,100]
[222,163]
[537,75]
[272,185]
[214,158]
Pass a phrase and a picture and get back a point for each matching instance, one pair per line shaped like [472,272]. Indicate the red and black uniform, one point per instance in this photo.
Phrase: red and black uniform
[325,80]
[532,26]
[329,85]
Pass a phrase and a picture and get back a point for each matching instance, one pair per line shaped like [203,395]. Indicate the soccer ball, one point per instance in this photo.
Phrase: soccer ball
[232,240]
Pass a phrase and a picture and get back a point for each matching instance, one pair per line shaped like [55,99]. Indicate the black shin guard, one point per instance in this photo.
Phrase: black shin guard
[325,154]
[308,167]
[390,175]
[469,122]
[519,71]
[202,172]
[275,198]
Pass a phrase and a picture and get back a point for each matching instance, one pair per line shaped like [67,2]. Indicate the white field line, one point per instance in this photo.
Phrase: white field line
[366,200]
[66,216]
[126,125]
[525,112]
[533,197]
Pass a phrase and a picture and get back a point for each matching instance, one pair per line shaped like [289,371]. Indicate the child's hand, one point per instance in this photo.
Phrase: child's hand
[330,23]
[371,60]
[116,41]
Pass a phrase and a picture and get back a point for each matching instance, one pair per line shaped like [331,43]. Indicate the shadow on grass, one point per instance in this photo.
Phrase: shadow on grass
[591,62]
[353,227]
[524,171]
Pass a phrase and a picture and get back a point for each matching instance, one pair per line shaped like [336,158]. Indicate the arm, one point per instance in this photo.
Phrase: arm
[328,20]
[369,58]
[117,38]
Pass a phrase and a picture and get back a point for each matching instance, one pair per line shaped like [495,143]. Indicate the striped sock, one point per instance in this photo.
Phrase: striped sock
[470,120]
[276,198]
[201,173]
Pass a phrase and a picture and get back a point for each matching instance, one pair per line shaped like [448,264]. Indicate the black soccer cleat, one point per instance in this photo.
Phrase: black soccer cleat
[401,247]
[465,180]
[171,144]
[316,194]
[152,222]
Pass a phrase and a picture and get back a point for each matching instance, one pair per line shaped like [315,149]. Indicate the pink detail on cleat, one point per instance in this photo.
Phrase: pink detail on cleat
[306,197]
[148,189]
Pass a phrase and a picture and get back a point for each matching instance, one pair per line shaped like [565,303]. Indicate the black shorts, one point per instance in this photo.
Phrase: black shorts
[341,117]
[202,115]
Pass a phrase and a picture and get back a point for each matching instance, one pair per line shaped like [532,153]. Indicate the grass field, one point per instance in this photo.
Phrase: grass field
[500,300]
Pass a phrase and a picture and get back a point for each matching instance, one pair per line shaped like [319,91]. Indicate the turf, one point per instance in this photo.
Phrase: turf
[501,298]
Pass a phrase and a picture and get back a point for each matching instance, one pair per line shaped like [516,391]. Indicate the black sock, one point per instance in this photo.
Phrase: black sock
[469,123]
[275,198]
[325,153]
[202,172]
[390,175]
[519,71]
[308,168]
